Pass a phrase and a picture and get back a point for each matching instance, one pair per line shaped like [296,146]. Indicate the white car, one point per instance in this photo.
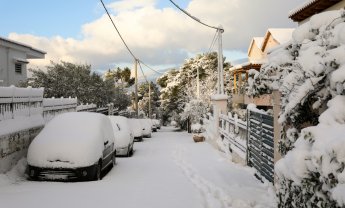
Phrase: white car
[124,139]
[147,127]
[72,146]
[136,129]
[158,123]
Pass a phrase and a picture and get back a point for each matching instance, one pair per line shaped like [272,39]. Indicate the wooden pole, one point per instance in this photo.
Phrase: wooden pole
[136,88]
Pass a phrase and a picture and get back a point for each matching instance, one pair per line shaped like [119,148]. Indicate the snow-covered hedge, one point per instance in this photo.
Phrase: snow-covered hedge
[309,71]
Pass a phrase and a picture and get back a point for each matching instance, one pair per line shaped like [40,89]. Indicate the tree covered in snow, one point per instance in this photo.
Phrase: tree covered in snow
[194,110]
[180,86]
[143,103]
[66,79]
[122,77]
[309,72]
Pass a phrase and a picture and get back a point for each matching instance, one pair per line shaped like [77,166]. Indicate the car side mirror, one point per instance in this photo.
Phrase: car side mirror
[105,143]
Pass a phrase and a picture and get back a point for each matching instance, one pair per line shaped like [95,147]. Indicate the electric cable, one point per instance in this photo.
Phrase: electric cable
[194,18]
[150,67]
[118,32]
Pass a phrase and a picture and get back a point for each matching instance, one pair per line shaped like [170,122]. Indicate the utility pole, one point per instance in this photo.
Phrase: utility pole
[220,81]
[150,100]
[136,87]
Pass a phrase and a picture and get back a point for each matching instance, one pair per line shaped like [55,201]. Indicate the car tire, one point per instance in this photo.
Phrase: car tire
[113,159]
[128,151]
[98,174]
[132,150]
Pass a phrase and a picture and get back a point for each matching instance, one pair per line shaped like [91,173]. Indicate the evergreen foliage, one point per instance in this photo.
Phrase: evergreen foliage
[179,86]
[309,73]
[66,79]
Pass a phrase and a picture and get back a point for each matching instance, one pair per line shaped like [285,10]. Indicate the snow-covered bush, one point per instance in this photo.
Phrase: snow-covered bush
[194,110]
[309,71]
[312,173]
[197,128]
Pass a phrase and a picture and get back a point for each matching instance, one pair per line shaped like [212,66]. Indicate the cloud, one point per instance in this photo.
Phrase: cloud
[162,36]
[128,5]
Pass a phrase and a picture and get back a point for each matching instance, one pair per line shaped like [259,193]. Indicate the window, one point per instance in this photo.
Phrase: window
[18,68]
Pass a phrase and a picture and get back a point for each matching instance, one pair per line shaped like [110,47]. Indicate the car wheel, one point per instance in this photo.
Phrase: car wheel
[98,174]
[132,149]
[128,151]
[113,159]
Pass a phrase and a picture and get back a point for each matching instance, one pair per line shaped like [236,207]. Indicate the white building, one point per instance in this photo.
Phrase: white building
[13,60]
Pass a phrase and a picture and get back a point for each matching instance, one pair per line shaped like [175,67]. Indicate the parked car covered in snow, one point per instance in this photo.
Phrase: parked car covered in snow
[147,127]
[153,125]
[72,146]
[157,123]
[136,129]
[124,139]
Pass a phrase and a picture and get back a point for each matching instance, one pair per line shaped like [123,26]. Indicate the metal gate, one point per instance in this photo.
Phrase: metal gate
[261,144]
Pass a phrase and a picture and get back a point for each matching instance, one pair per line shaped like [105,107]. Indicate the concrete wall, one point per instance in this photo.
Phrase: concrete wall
[14,146]
[7,66]
[3,66]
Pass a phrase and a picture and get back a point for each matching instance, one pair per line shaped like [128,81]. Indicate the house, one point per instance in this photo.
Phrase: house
[302,13]
[257,55]
[14,59]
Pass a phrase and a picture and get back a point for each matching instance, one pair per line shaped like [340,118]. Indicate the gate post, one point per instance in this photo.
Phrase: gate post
[276,124]
[219,102]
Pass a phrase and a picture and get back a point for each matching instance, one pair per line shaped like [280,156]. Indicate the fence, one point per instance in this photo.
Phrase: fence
[250,142]
[20,102]
[55,106]
[233,131]
[261,144]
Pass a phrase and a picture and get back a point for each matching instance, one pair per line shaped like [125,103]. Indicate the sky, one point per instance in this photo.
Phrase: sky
[158,34]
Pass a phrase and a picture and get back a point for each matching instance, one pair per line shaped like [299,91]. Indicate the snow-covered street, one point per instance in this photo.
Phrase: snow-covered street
[167,170]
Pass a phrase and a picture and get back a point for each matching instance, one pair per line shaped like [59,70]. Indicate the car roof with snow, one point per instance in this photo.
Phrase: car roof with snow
[77,137]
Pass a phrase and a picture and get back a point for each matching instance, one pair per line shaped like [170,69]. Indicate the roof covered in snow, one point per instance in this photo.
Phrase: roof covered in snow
[309,8]
[281,35]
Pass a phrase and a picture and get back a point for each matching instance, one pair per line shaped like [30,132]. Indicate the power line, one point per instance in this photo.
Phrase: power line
[150,67]
[142,71]
[118,32]
[215,38]
[194,18]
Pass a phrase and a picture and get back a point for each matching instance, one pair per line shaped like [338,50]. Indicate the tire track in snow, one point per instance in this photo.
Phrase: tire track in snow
[214,196]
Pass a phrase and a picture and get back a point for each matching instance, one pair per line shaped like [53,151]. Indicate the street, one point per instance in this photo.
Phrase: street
[168,170]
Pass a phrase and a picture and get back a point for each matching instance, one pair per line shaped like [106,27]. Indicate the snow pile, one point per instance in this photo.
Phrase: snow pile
[71,140]
[16,174]
[309,72]
[14,125]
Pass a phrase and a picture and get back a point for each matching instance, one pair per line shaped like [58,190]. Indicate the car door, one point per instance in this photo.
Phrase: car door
[107,153]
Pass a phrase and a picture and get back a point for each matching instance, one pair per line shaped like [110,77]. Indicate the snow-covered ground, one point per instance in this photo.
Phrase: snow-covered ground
[168,170]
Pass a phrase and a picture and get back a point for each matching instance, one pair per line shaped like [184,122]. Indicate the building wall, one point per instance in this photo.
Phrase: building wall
[3,66]
[337,6]
[15,77]
[7,66]
[255,53]
[270,43]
